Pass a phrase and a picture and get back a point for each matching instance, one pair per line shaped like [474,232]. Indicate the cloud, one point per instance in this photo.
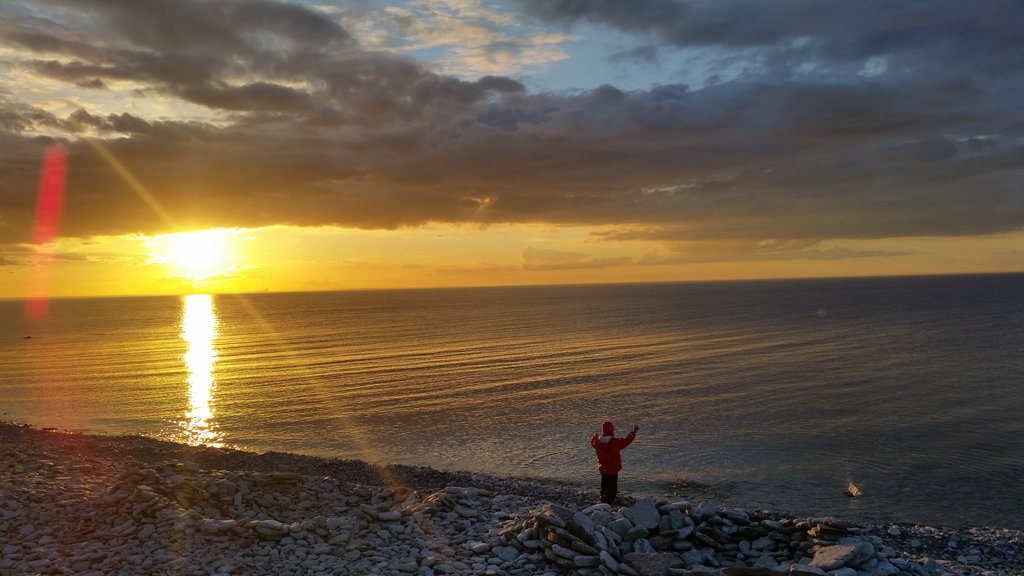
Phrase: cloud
[547,259]
[763,251]
[474,39]
[289,118]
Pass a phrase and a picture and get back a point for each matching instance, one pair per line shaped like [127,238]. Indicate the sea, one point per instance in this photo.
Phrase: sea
[761,395]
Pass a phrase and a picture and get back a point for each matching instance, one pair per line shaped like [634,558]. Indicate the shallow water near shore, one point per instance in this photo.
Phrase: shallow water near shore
[755,394]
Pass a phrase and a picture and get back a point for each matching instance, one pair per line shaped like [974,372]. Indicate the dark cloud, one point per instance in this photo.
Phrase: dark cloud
[304,126]
[925,31]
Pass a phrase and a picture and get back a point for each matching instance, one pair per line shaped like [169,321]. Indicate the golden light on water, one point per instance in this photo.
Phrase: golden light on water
[199,330]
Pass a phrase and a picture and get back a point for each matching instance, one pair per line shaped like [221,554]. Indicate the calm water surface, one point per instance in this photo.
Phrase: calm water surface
[754,394]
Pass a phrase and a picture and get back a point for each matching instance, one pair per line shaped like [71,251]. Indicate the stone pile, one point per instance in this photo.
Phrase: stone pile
[660,538]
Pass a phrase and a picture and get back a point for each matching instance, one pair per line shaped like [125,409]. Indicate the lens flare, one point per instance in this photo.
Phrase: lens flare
[50,201]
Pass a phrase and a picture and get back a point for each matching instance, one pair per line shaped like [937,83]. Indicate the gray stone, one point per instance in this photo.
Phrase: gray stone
[766,562]
[563,514]
[737,516]
[649,564]
[643,513]
[643,546]
[585,522]
[676,519]
[692,558]
[805,570]
[885,568]
[704,510]
[506,553]
[635,533]
[609,561]
[621,526]
[564,552]
[602,518]
[146,532]
[627,570]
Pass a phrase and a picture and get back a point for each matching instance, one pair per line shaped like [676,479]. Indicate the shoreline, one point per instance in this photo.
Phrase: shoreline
[84,504]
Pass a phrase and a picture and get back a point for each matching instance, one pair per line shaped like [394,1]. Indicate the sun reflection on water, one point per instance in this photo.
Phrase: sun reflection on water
[199,330]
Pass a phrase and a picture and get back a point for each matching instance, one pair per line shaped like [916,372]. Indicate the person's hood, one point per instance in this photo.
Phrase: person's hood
[607,428]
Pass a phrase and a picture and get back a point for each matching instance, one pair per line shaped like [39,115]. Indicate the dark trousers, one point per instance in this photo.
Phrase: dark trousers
[609,487]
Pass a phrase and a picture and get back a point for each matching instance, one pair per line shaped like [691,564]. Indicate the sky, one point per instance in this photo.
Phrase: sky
[261,145]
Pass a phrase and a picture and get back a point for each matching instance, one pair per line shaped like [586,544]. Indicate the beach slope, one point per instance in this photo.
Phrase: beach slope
[96,505]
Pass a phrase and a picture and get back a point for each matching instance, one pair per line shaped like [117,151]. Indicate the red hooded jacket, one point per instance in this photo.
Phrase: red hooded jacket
[607,447]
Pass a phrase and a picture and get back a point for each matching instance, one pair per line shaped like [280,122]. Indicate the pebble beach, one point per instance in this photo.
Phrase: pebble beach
[129,505]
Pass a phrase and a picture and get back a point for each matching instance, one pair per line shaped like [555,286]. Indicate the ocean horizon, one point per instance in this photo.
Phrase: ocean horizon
[773,394]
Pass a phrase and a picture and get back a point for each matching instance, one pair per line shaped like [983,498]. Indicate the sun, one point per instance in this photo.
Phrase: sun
[198,255]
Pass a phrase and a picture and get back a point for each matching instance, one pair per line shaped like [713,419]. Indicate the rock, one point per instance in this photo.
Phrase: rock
[466,512]
[676,519]
[580,532]
[635,533]
[805,570]
[644,513]
[832,557]
[692,558]
[271,529]
[643,546]
[389,516]
[745,571]
[603,507]
[704,510]
[684,532]
[885,568]
[738,517]
[608,561]
[649,564]
[621,526]
[211,526]
[563,552]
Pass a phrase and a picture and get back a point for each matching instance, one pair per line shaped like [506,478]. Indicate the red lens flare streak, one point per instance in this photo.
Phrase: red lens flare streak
[49,202]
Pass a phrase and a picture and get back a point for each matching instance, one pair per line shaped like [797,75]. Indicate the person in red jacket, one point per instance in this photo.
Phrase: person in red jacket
[609,462]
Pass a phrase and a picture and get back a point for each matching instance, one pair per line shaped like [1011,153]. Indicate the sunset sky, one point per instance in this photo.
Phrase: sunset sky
[250,145]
